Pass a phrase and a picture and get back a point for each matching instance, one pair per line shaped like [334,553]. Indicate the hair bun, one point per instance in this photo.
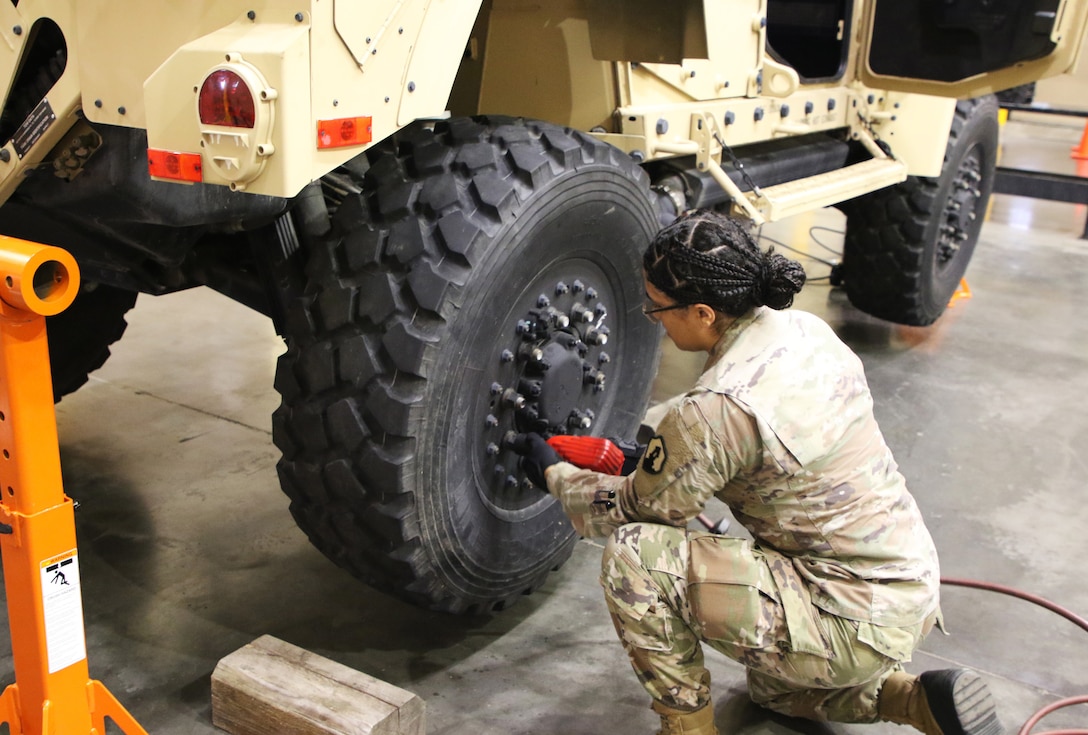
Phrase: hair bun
[782,279]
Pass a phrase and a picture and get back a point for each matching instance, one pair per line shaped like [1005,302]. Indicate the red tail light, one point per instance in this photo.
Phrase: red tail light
[225,99]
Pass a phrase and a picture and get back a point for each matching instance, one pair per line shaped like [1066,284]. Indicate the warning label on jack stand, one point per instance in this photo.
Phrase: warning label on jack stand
[62,605]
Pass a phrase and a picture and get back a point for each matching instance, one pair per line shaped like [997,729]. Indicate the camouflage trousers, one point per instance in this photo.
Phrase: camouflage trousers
[663,609]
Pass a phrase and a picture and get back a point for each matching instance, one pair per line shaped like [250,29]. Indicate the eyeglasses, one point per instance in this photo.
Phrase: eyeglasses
[650,309]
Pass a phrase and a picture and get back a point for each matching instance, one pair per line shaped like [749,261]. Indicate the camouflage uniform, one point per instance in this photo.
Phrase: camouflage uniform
[841,581]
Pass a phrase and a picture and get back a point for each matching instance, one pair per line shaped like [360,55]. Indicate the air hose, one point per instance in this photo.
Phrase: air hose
[1042,602]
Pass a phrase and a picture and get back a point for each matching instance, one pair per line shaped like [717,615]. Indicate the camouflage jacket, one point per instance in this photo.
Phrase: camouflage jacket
[780,427]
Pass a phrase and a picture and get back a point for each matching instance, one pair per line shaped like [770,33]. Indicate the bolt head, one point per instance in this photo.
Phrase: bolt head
[507,356]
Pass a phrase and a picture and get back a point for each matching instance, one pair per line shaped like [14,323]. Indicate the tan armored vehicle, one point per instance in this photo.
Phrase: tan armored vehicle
[442,205]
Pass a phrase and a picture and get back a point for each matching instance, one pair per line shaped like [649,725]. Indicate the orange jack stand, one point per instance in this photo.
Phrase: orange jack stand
[53,693]
[962,292]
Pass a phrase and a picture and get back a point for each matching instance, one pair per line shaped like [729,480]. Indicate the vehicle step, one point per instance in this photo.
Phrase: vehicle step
[822,190]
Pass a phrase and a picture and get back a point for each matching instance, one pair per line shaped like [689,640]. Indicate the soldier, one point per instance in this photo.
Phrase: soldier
[840,583]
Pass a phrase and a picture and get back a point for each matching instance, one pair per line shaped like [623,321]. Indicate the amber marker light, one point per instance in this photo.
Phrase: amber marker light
[173,165]
[344,131]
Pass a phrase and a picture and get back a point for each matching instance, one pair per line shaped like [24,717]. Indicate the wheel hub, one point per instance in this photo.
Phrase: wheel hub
[550,380]
[961,212]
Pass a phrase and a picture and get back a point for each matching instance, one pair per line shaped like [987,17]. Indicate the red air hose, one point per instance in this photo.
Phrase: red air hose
[1042,602]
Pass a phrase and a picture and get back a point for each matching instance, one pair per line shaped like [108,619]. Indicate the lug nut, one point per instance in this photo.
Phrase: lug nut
[542,301]
[578,287]
[580,313]
[599,310]
[578,420]
[561,288]
[492,450]
[498,470]
[532,388]
[591,293]
[507,356]
[496,389]
[512,398]
[511,481]
[604,358]
[597,337]
[491,422]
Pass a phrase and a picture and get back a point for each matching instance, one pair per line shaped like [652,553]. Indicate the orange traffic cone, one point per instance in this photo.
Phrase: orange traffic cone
[1081,151]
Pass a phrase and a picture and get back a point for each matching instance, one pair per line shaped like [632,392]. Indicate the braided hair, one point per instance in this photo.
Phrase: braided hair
[707,258]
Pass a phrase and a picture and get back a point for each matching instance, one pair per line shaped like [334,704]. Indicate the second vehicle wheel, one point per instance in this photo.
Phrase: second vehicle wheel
[908,246]
[481,279]
[81,335]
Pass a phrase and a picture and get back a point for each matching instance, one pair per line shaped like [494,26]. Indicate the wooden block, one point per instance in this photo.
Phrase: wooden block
[271,687]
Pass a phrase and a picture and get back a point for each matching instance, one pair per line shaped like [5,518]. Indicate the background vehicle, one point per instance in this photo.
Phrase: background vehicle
[442,205]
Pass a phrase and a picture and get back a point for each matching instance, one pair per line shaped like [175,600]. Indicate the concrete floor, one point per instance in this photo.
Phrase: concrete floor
[187,550]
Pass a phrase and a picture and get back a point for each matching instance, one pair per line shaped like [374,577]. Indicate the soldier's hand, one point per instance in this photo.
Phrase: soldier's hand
[536,456]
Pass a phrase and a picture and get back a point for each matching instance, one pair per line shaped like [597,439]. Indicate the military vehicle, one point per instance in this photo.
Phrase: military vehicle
[442,205]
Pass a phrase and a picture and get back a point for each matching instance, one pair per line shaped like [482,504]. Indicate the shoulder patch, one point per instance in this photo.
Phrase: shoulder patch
[653,459]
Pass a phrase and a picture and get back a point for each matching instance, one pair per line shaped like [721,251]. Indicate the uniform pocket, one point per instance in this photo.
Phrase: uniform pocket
[646,626]
[732,594]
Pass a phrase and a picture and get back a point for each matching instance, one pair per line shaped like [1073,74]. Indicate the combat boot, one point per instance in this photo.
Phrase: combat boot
[946,702]
[679,722]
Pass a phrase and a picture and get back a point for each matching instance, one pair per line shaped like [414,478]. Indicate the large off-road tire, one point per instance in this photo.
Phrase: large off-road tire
[81,335]
[465,290]
[908,246]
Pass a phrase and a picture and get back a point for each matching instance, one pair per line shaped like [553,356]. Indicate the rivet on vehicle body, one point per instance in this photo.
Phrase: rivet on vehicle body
[831,104]
[17,30]
[491,422]
[758,114]
[784,110]
[5,155]
[252,15]
[411,86]
[809,107]
[730,117]
[98,103]
[662,126]
[300,17]
[121,110]
[871,99]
